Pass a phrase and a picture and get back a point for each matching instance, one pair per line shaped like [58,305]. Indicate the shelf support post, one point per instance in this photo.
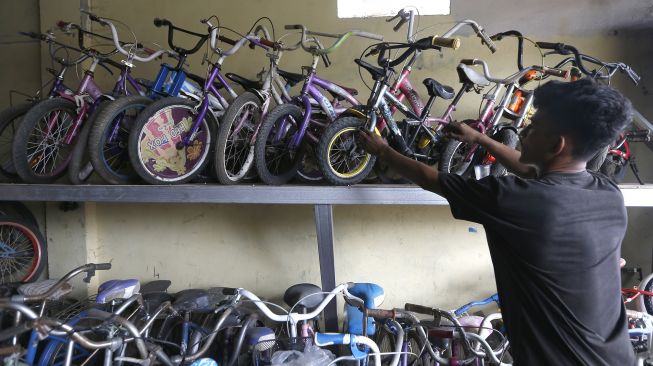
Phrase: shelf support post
[324,229]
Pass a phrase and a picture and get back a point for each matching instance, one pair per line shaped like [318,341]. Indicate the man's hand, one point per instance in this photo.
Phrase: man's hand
[461,131]
[371,142]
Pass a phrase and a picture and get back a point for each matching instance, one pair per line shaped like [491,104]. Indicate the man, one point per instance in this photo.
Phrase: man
[554,230]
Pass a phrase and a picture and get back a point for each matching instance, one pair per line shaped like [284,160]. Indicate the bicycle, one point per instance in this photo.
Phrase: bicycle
[287,131]
[239,127]
[42,146]
[172,137]
[12,116]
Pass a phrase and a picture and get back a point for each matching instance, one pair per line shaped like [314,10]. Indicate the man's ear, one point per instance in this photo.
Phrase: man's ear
[560,145]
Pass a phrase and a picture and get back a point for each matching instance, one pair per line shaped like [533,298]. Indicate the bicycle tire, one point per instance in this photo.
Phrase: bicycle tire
[39,169]
[508,137]
[109,154]
[596,162]
[80,168]
[272,165]
[340,136]
[648,300]
[171,118]
[19,210]
[232,170]
[451,161]
[10,119]
[21,239]
[309,171]
[614,169]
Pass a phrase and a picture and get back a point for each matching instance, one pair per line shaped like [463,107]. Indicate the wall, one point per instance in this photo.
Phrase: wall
[23,76]
[418,254]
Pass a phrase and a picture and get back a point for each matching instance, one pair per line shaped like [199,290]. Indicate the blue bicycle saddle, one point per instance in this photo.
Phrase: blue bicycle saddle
[117,289]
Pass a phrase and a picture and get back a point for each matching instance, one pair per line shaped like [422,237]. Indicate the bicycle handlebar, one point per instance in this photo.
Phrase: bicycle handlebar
[118,44]
[171,28]
[89,268]
[516,76]
[340,38]
[480,32]
[433,42]
[612,67]
[520,44]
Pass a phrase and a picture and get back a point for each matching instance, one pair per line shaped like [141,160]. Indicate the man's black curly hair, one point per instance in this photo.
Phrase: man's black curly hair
[589,113]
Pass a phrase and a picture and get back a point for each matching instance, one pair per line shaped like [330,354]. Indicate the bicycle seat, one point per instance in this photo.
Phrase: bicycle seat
[245,83]
[296,296]
[192,300]
[377,72]
[435,89]
[291,78]
[371,295]
[41,287]
[117,289]
[155,286]
[152,300]
[467,75]
[216,296]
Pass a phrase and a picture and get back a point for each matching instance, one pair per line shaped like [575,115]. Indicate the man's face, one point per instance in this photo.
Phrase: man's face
[537,140]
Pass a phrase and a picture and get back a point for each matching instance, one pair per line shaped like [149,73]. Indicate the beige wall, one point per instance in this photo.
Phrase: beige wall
[416,253]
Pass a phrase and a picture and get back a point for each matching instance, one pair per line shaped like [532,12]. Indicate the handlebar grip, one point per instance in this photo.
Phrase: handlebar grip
[33,35]
[227,40]
[293,26]
[548,45]
[420,309]
[96,18]
[557,72]
[488,42]
[267,42]
[326,339]
[468,61]
[229,291]
[103,266]
[381,314]
[399,25]
[452,43]
[161,22]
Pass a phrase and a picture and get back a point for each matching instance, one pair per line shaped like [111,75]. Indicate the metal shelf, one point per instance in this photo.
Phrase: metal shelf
[634,195]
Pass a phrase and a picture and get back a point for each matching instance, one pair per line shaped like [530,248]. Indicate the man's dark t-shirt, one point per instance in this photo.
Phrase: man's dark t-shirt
[555,243]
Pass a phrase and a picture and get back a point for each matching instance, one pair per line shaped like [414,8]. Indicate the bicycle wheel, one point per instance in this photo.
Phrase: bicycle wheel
[18,210]
[508,137]
[109,136]
[39,151]
[10,119]
[309,170]
[80,168]
[22,250]
[453,158]
[648,300]
[234,153]
[614,168]
[154,140]
[276,163]
[341,160]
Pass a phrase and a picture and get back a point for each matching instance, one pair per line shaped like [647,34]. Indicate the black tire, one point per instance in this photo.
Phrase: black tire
[276,164]
[234,152]
[451,160]
[508,137]
[309,171]
[648,300]
[146,166]
[614,168]
[109,154]
[23,239]
[29,152]
[338,147]
[10,119]
[19,210]
[80,168]
[595,163]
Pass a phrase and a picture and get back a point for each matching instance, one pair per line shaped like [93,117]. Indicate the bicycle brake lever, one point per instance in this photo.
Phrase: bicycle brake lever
[89,274]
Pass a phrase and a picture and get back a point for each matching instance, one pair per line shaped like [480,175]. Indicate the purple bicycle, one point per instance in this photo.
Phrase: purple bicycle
[11,117]
[43,144]
[281,147]
[171,139]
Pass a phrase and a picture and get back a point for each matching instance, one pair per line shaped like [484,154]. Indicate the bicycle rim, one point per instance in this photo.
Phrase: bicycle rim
[47,153]
[346,160]
[20,252]
[157,150]
[239,150]
[457,164]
